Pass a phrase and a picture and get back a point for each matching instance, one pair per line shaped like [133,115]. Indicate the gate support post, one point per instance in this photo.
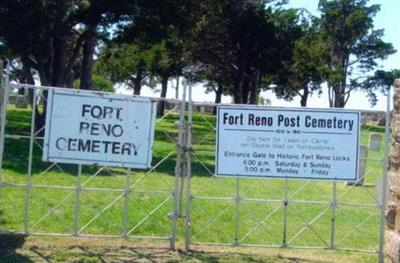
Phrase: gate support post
[182,170]
[126,202]
[237,206]
[333,218]
[77,201]
[188,169]
[285,215]
[2,122]
[178,170]
[30,160]
[4,91]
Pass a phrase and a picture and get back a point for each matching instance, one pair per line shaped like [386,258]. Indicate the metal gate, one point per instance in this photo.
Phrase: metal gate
[42,198]
[286,213]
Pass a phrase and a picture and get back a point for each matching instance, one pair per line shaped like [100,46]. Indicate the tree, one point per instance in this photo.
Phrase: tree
[305,69]
[381,81]
[243,40]
[50,36]
[165,62]
[43,27]
[213,81]
[228,37]
[354,46]
[96,14]
[124,63]
[161,28]
[41,42]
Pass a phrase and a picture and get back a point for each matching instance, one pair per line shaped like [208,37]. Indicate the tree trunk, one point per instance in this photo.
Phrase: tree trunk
[137,85]
[218,97]
[2,84]
[69,79]
[238,92]
[28,78]
[339,99]
[218,94]
[304,96]
[164,87]
[339,90]
[177,88]
[27,73]
[246,87]
[330,96]
[255,87]
[40,117]
[57,78]
[87,60]
[238,87]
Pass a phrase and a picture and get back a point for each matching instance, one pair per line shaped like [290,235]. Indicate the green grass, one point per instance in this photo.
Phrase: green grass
[212,221]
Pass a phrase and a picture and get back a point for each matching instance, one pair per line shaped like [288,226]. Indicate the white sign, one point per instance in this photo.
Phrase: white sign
[287,143]
[99,128]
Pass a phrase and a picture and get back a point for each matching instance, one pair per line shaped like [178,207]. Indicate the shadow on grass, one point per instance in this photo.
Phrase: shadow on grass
[16,159]
[216,257]
[16,156]
[9,243]
[18,121]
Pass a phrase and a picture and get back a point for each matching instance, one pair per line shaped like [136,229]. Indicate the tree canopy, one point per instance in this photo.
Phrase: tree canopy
[236,47]
[353,44]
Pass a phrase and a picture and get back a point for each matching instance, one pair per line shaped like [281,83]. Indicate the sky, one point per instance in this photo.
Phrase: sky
[386,18]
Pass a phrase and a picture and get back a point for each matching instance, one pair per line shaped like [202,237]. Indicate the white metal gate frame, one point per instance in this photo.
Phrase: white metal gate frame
[286,201]
[181,194]
[75,191]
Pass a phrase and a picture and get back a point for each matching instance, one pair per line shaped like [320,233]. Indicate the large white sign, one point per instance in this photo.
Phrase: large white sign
[99,128]
[287,143]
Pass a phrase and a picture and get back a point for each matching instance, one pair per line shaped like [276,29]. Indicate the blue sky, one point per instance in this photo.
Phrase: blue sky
[388,19]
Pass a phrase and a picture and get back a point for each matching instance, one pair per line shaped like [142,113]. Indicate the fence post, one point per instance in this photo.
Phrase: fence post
[188,170]
[237,204]
[2,122]
[4,85]
[30,160]
[183,170]
[178,170]
[285,214]
[126,202]
[1,83]
[384,180]
[333,218]
[77,201]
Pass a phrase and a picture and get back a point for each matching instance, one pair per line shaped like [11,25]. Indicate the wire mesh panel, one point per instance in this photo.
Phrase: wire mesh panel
[286,212]
[39,197]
